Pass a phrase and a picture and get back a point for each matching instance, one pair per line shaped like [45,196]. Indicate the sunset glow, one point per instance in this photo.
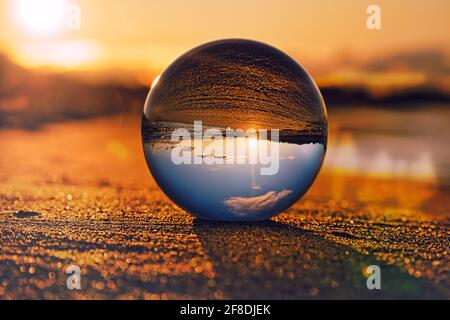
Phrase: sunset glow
[64,54]
[41,17]
[331,41]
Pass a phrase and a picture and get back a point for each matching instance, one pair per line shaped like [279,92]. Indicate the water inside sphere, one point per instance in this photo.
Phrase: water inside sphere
[234,130]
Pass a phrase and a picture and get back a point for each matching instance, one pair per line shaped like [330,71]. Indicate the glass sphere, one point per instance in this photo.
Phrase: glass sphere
[234,130]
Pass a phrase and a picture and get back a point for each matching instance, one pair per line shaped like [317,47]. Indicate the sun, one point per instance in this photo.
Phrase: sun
[253,143]
[41,17]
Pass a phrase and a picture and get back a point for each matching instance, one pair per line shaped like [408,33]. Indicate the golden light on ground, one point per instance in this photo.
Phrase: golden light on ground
[41,17]
[117,149]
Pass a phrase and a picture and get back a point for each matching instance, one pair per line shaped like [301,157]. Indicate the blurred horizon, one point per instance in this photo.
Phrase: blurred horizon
[30,97]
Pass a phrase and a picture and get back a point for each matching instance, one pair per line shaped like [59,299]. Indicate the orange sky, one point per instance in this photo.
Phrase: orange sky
[145,36]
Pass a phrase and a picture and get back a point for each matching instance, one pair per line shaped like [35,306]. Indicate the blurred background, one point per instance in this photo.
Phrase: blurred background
[387,91]
[75,188]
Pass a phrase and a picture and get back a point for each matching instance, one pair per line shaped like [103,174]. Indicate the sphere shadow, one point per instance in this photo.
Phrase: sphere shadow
[273,260]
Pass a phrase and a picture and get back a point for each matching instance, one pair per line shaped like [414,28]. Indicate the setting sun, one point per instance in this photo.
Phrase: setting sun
[41,17]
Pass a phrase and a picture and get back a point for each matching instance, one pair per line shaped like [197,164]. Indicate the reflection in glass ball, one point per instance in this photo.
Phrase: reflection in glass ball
[234,130]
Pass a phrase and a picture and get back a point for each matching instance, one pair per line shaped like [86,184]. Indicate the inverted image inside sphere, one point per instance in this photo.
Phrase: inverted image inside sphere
[238,84]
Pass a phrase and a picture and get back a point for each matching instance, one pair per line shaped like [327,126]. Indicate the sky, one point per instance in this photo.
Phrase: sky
[328,37]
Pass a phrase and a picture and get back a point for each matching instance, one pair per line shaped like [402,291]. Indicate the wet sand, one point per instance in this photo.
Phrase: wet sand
[80,193]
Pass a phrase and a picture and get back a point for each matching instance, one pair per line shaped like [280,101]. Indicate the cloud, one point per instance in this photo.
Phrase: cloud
[242,205]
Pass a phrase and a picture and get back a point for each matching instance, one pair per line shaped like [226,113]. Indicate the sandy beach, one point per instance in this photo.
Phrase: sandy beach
[79,193]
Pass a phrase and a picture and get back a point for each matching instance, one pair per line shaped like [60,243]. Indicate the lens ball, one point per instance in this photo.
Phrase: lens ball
[234,130]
